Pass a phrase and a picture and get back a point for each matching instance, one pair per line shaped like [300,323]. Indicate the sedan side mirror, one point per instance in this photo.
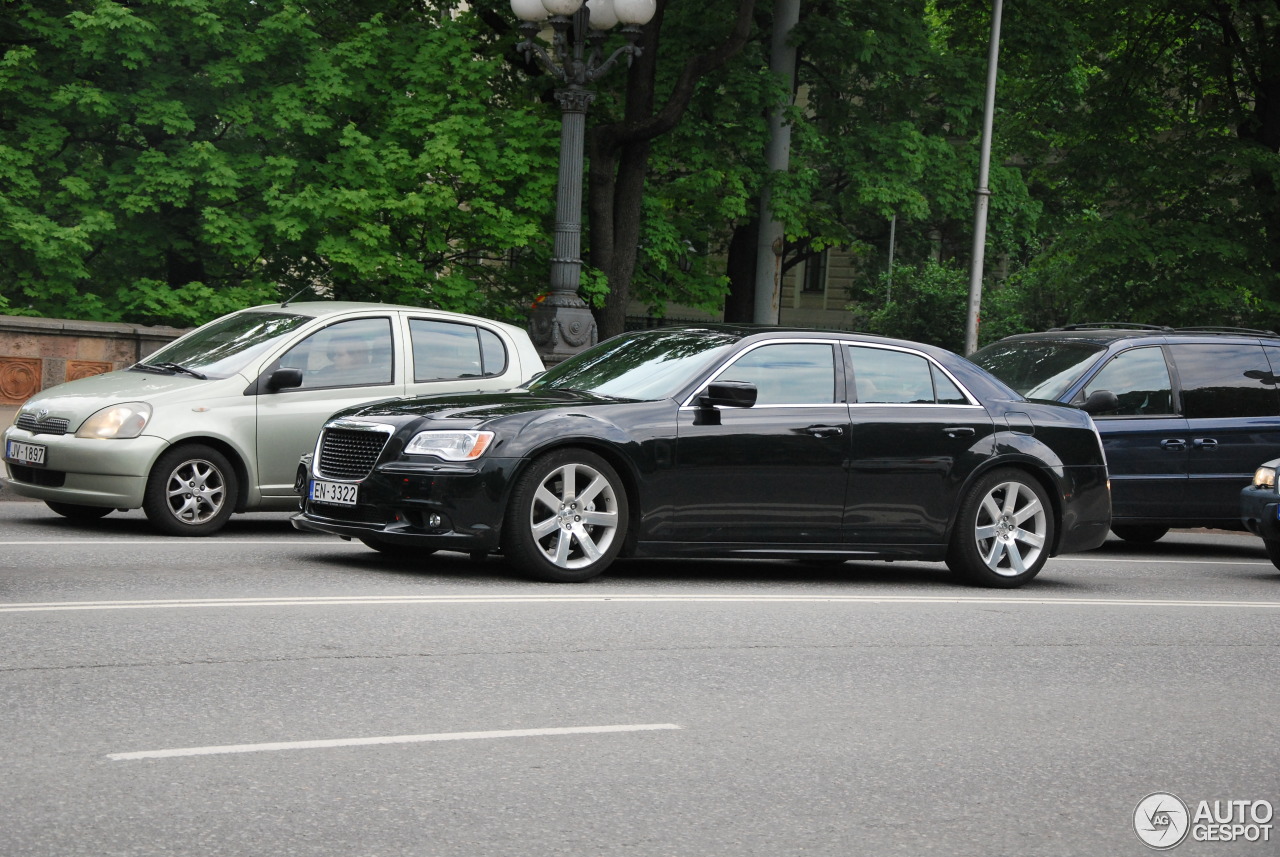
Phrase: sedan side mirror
[1101,401]
[730,394]
[284,379]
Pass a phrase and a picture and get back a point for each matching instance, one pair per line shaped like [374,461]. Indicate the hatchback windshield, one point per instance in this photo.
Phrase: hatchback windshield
[223,347]
[1038,369]
[648,365]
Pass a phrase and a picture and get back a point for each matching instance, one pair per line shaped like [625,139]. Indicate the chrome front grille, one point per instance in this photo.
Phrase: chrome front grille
[349,453]
[48,425]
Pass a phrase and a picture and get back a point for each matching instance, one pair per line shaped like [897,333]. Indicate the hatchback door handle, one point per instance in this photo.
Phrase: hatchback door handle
[825,431]
[1206,443]
[1173,444]
[958,431]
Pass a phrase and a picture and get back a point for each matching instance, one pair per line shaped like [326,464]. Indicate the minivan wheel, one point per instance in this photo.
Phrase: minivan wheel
[567,519]
[1273,551]
[1003,532]
[1141,534]
[76,512]
[191,491]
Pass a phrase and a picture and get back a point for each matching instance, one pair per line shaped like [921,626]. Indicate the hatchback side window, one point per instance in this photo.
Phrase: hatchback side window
[353,353]
[1225,381]
[882,376]
[788,373]
[445,350]
[1140,379]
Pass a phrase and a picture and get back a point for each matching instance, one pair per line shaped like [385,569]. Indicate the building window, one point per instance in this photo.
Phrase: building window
[815,274]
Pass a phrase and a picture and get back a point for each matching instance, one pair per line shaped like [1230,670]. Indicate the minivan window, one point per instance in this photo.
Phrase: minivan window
[1140,379]
[222,348]
[1038,370]
[1222,381]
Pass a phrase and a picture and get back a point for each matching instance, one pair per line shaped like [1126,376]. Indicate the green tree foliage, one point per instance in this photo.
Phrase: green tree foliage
[168,160]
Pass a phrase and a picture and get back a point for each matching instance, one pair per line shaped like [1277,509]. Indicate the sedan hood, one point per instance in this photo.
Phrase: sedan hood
[474,408]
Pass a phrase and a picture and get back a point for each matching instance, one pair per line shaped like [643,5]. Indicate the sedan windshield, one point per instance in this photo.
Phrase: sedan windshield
[223,347]
[1038,370]
[648,365]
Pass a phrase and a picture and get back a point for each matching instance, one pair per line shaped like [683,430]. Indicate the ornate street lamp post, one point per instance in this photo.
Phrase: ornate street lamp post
[562,324]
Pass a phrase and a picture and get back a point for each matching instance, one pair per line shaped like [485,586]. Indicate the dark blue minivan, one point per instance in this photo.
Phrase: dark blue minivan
[1186,415]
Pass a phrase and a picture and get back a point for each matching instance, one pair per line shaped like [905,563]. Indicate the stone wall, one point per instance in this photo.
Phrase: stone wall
[38,353]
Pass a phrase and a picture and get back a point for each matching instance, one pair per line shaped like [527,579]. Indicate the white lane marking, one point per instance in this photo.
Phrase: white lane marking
[176,540]
[340,600]
[390,739]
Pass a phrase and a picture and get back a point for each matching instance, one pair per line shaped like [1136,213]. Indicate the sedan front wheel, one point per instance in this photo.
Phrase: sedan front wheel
[1004,532]
[568,517]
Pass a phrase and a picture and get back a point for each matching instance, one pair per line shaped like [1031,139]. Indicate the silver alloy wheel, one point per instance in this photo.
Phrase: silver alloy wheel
[574,516]
[195,491]
[1010,528]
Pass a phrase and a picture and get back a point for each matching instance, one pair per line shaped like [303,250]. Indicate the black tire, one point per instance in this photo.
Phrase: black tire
[396,551]
[79,513]
[579,536]
[1139,534]
[1003,532]
[1273,551]
[192,491]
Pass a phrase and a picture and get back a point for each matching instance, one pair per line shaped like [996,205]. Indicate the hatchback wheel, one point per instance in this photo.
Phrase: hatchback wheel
[1003,532]
[191,491]
[396,550]
[1142,534]
[568,517]
[77,512]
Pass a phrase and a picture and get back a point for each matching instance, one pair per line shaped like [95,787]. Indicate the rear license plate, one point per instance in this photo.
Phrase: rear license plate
[25,453]
[339,493]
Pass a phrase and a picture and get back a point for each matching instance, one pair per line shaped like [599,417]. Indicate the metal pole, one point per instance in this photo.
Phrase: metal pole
[983,192]
[893,234]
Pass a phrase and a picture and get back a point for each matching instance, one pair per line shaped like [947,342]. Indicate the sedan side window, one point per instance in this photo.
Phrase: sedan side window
[445,351]
[1140,379]
[347,354]
[788,373]
[883,376]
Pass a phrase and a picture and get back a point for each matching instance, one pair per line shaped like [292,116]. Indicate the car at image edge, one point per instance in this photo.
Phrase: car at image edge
[1185,414]
[721,441]
[214,422]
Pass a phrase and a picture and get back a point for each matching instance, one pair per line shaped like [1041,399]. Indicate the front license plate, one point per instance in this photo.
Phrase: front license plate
[339,493]
[25,453]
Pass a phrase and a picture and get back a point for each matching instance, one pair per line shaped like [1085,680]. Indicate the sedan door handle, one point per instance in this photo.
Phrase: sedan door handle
[958,431]
[1206,443]
[825,431]
[1173,444]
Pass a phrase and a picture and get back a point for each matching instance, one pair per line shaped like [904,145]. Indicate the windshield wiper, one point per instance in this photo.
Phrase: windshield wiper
[170,368]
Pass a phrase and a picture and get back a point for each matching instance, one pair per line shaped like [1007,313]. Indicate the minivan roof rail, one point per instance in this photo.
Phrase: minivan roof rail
[1112,325]
[1245,330]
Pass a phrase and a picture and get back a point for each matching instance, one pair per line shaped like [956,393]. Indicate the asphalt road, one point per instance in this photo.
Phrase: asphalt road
[265,692]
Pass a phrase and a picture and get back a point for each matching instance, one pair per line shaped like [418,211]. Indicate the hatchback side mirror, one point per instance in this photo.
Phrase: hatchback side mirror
[730,394]
[284,379]
[1101,401]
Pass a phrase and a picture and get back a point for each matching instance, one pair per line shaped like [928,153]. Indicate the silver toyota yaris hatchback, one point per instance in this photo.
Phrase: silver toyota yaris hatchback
[214,422]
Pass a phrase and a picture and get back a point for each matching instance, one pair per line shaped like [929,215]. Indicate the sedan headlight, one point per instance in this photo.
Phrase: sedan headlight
[117,422]
[1265,477]
[450,445]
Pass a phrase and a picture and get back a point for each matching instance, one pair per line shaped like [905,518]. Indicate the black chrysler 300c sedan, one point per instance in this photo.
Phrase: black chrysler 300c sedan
[721,441]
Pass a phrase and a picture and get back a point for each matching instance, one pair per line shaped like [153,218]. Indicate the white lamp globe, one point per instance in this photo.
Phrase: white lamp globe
[562,7]
[529,10]
[602,14]
[637,12]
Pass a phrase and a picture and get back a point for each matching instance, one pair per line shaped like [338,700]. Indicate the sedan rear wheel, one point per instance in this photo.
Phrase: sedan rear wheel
[1004,531]
[191,491]
[568,517]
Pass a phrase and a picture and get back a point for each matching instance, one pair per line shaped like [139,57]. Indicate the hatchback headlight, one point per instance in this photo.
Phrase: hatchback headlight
[117,422]
[450,445]
[1265,477]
